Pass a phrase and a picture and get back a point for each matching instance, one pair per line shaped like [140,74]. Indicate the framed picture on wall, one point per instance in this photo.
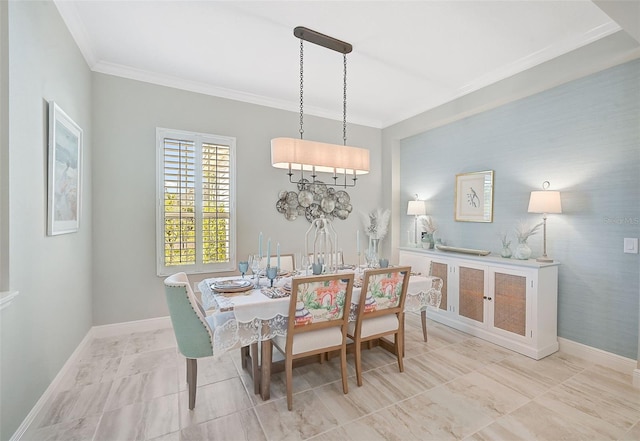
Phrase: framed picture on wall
[474,197]
[65,169]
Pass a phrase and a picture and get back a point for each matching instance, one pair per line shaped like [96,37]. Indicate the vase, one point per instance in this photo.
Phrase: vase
[523,252]
[372,253]
[427,240]
[505,252]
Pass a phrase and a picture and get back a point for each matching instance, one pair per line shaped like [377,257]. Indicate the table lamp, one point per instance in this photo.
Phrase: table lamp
[545,202]
[416,208]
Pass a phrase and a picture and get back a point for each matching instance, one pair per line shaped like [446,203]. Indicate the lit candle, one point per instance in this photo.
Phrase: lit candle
[358,241]
[269,252]
[278,253]
[260,245]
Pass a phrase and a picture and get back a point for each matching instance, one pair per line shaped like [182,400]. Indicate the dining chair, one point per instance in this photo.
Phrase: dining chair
[420,265]
[193,328]
[318,318]
[380,311]
[338,258]
[287,262]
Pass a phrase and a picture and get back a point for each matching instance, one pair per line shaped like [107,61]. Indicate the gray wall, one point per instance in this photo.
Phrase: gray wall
[583,137]
[126,114]
[52,314]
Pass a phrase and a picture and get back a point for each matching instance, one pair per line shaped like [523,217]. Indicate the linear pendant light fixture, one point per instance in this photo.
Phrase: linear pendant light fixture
[344,162]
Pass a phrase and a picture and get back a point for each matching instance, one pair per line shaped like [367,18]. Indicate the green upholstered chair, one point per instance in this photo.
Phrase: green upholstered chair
[193,331]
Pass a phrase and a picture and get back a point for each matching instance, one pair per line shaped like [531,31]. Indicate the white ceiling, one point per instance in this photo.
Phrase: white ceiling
[408,56]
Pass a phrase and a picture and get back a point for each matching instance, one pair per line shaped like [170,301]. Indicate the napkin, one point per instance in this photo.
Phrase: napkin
[274,293]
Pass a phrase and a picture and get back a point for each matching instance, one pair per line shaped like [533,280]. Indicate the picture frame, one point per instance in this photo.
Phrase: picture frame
[64,172]
[474,197]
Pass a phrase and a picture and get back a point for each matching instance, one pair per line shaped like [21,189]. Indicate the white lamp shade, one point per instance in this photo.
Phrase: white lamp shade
[300,154]
[416,208]
[545,201]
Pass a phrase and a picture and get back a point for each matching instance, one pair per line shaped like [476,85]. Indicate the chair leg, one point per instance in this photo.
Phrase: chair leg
[343,368]
[192,380]
[289,380]
[358,352]
[400,341]
[400,349]
[423,317]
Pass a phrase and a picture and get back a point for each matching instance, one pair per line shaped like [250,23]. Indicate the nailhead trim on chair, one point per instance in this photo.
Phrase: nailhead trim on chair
[206,325]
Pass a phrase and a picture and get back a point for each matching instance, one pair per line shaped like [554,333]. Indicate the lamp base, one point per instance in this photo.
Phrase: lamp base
[544,259]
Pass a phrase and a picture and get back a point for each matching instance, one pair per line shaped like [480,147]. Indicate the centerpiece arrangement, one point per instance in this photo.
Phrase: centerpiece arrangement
[375,225]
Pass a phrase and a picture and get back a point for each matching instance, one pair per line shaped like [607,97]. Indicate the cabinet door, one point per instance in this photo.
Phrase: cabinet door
[510,301]
[472,288]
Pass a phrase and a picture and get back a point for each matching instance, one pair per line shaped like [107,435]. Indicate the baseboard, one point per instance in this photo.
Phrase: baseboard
[48,393]
[94,332]
[130,327]
[598,356]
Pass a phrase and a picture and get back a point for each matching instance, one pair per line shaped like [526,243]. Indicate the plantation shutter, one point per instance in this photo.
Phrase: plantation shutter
[196,212]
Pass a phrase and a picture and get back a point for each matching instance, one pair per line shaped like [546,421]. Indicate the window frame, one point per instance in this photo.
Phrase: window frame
[198,138]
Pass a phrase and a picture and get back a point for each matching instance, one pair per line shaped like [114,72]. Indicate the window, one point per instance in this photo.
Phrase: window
[196,207]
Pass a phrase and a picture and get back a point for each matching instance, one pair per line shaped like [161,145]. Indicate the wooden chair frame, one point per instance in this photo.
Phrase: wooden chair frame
[293,330]
[398,310]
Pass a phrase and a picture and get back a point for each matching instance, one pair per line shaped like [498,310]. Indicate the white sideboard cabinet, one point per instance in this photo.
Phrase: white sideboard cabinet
[512,303]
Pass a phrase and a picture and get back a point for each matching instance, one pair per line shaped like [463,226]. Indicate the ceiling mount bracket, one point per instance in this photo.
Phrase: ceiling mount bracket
[314,37]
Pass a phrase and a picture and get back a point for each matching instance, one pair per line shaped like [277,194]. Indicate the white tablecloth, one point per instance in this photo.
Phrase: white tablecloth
[243,319]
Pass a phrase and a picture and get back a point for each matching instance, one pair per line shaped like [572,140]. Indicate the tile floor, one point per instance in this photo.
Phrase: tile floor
[132,387]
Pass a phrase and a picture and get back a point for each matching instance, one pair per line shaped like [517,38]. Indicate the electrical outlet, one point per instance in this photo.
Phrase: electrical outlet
[631,245]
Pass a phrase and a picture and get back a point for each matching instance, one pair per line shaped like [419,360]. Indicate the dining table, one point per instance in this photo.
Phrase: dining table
[242,319]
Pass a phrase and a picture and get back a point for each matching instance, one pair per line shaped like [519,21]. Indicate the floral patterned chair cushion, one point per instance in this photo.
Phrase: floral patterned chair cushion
[320,301]
[383,291]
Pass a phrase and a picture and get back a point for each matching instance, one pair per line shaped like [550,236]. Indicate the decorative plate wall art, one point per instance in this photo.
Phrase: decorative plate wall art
[312,200]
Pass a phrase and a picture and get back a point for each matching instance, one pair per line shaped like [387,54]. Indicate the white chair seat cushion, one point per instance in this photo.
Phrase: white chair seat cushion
[377,325]
[312,340]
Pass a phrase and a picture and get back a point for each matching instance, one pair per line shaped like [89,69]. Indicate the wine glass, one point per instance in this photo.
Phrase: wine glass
[272,272]
[243,267]
[255,268]
[304,264]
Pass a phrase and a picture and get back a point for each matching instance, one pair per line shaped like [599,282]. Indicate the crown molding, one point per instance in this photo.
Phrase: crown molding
[221,92]
[71,17]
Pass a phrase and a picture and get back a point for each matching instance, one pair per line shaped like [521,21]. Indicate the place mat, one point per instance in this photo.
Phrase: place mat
[231,286]
[275,293]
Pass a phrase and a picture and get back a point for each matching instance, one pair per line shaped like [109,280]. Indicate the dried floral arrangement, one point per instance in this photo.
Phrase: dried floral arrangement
[524,231]
[376,223]
[427,224]
[504,238]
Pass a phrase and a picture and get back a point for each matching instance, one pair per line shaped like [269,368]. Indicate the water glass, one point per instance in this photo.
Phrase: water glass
[243,267]
[272,272]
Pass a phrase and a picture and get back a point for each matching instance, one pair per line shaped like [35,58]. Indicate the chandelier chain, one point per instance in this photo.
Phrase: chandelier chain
[344,102]
[301,88]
